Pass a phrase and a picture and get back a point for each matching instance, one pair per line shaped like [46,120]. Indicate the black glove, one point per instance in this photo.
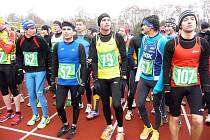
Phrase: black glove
[81,90]
[123,81]
[20,76]
[97,85]
[166,88]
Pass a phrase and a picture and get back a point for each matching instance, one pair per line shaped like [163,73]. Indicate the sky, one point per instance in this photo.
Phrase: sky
[54,9]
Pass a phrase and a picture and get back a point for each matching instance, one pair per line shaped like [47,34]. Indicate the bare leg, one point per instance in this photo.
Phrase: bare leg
[17,103]
[197,126]
[7,101]
[174,127]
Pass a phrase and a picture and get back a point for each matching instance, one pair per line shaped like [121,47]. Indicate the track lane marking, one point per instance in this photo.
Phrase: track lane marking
[31,133]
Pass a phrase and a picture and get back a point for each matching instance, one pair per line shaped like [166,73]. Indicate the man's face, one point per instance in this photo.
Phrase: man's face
[31,31]
[44,32]
[105,24]
[169,30]
[122,32]
[56,28]
[67,32]
[80,27]
[188,24]
[145,29]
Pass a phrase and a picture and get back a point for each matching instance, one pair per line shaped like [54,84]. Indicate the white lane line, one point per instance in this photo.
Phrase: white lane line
[31,133]
[186,119]
[36,128]
[12,103]
[115,124]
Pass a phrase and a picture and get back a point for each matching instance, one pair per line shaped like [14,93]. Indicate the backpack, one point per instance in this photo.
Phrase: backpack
[34,39]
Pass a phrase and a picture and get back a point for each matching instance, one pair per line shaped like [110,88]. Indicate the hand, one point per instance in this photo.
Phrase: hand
[20,76]
[81,90]
[97,85]
[166,88]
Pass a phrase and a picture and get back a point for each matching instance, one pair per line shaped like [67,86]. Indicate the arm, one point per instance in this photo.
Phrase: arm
[132,45]
[82,58]
[46,50]
[55,63]
[204,66]
[94,57]
[121,46]
[159,85]
[19,55]
[167,58]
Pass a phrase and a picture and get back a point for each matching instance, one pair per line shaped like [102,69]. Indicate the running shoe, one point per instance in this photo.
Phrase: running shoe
[63,130]
[33,120]
[6,116]
[71,132]
[16,119]
[43,122]
[145,133]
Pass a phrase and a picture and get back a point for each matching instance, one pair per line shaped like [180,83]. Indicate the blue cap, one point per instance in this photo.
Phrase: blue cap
[27,24]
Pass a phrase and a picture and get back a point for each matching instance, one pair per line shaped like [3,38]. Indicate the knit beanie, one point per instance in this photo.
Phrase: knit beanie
[171,22]
[66,23]
[101,17]
[185,14]
[204,25]
[27,24]
[58,23]
[152,22]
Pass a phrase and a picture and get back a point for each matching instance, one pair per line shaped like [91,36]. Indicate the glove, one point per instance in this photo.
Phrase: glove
[166,88]
[81,90]
[20,76]
[123,81]
[97,85]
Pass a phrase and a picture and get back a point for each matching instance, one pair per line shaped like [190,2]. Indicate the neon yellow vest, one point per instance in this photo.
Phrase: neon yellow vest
[108,59]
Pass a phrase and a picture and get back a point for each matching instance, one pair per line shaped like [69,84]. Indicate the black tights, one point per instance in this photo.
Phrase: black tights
[62,92]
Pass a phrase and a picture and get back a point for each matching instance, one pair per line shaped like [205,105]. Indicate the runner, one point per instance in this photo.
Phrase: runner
[124,32]
[67,62]
[106,49]
[32,55]
[7,74]
[150,55]
[85,41]
[57,37]
[133,49]
[205,33]
[185,74]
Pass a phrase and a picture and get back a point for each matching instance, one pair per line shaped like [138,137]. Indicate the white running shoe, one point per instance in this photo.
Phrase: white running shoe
[88,108]
[129,115]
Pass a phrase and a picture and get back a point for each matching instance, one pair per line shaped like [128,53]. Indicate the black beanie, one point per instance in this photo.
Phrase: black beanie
[57,22]
[101,17]
[154,20]
[66,23]
[204,25]
[45,27]
[185,14]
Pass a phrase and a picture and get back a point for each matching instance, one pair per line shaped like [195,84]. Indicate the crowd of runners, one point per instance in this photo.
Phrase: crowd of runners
[166,65]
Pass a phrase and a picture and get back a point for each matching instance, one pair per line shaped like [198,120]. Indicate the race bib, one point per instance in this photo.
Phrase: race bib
[108,59]
[147,66]
[185,76]
[66,71]
[3,57]
[30,58]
